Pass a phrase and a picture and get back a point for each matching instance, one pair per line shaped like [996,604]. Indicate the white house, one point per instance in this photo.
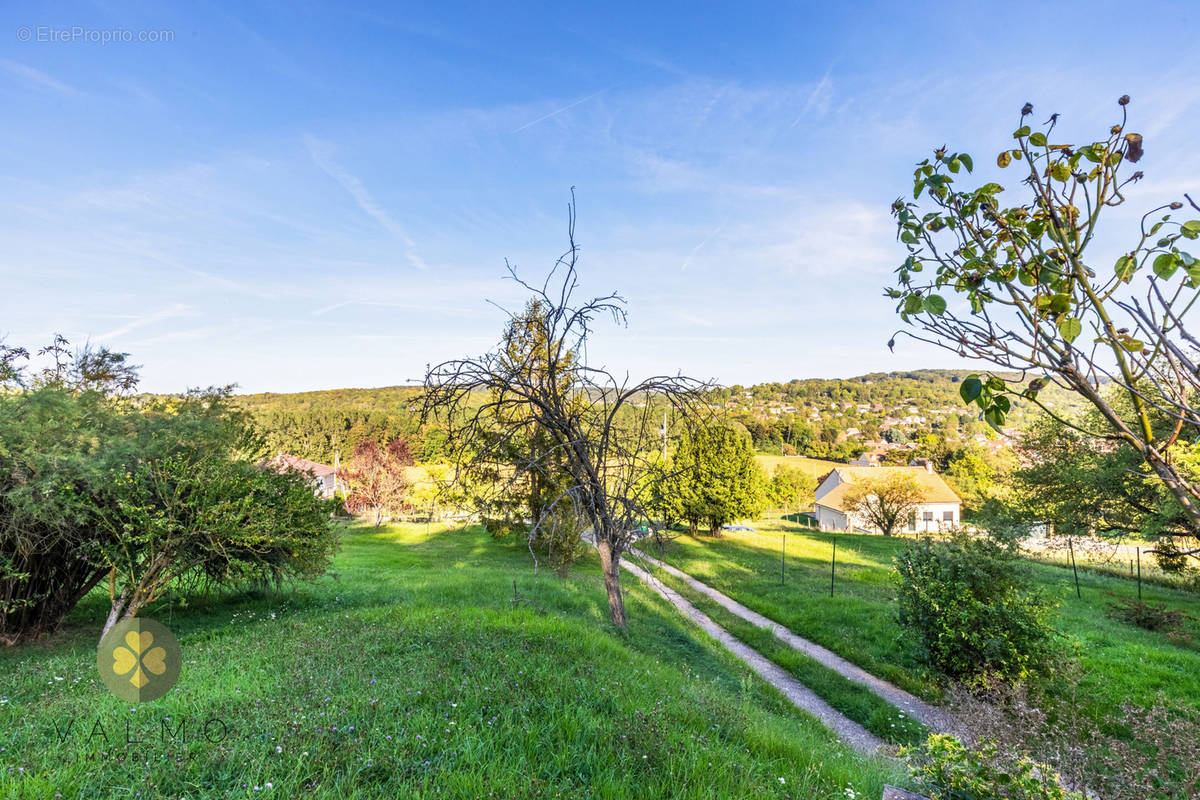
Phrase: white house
[323,476]
[940,508]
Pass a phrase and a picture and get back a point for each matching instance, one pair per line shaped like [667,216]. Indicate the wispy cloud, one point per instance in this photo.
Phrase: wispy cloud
[36,77]
[147,319]
[321,151]
[558,111]
[818,100]
[700,246]
[387,304]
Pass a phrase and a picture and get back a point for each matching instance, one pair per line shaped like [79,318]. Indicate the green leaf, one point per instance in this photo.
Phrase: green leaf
[1038,139]
[1125,267]
[1132,345]
[1193,272]
[953,165]
[967,162]
[1165,265]
[995,384]
[1021,131]
[1003,160]
[1060,171]
[934,304]
[1191,228]
[1002,403]
[1060,303]
[913,304]
[1070,328]
[970,388]
[994,417]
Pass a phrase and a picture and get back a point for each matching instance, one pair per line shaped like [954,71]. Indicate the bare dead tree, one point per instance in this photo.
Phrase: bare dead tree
[601,428]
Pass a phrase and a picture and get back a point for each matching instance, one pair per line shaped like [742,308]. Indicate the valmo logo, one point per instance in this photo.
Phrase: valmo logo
[139,660]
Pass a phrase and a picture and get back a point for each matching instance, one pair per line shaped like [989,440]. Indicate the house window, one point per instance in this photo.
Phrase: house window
[928,516]
[912,520]
[947,516]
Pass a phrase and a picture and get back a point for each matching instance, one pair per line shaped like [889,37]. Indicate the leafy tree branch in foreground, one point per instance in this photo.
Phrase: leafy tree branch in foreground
[1015,286]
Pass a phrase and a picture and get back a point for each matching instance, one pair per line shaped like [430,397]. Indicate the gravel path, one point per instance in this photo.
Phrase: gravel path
[932,717]
[804,698]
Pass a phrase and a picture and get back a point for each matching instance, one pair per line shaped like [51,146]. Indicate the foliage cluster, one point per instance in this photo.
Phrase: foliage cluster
[150,494]
[714,479]
[946,769]
[883,503]
[1025,293]
[377,478]
[972,609]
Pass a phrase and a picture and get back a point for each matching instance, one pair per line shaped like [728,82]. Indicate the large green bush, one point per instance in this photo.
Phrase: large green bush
[972,608]
[149,495]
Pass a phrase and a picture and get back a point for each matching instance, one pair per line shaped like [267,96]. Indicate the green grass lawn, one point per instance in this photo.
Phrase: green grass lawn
[429,663]
[855,701]
[1120,662]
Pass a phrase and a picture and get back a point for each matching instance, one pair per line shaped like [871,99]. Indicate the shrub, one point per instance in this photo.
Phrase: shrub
[972,608]
[945,769]
[153,496]
[1170,558]
[1145,615]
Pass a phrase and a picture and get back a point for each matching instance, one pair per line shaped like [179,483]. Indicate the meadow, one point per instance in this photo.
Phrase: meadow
[430,662]
[1119,662]
[816,467]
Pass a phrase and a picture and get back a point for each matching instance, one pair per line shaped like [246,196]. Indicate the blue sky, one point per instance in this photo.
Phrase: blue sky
[306,195]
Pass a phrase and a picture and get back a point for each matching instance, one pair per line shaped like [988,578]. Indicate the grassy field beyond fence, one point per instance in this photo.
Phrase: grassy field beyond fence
[1120,662]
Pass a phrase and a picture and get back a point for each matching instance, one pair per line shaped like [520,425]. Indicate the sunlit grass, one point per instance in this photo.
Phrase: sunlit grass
[1120,662]
[430,663]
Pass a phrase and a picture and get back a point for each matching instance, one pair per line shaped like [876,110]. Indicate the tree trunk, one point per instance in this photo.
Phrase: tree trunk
[610,564]
[119,607]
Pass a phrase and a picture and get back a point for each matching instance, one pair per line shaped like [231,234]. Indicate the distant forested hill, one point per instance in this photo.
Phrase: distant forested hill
[316,425]
[818,417]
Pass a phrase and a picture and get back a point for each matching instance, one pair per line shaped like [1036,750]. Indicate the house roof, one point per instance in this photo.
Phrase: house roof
[284,461]
[933,488]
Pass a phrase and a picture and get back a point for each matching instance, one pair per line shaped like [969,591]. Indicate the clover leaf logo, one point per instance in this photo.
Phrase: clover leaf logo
[139,660]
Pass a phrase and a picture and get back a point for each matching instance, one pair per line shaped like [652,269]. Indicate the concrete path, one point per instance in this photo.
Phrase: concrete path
[800,695]
[932,717]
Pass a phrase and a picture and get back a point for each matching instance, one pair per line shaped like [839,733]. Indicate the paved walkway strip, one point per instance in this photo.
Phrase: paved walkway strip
[932,717]
[800,695]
